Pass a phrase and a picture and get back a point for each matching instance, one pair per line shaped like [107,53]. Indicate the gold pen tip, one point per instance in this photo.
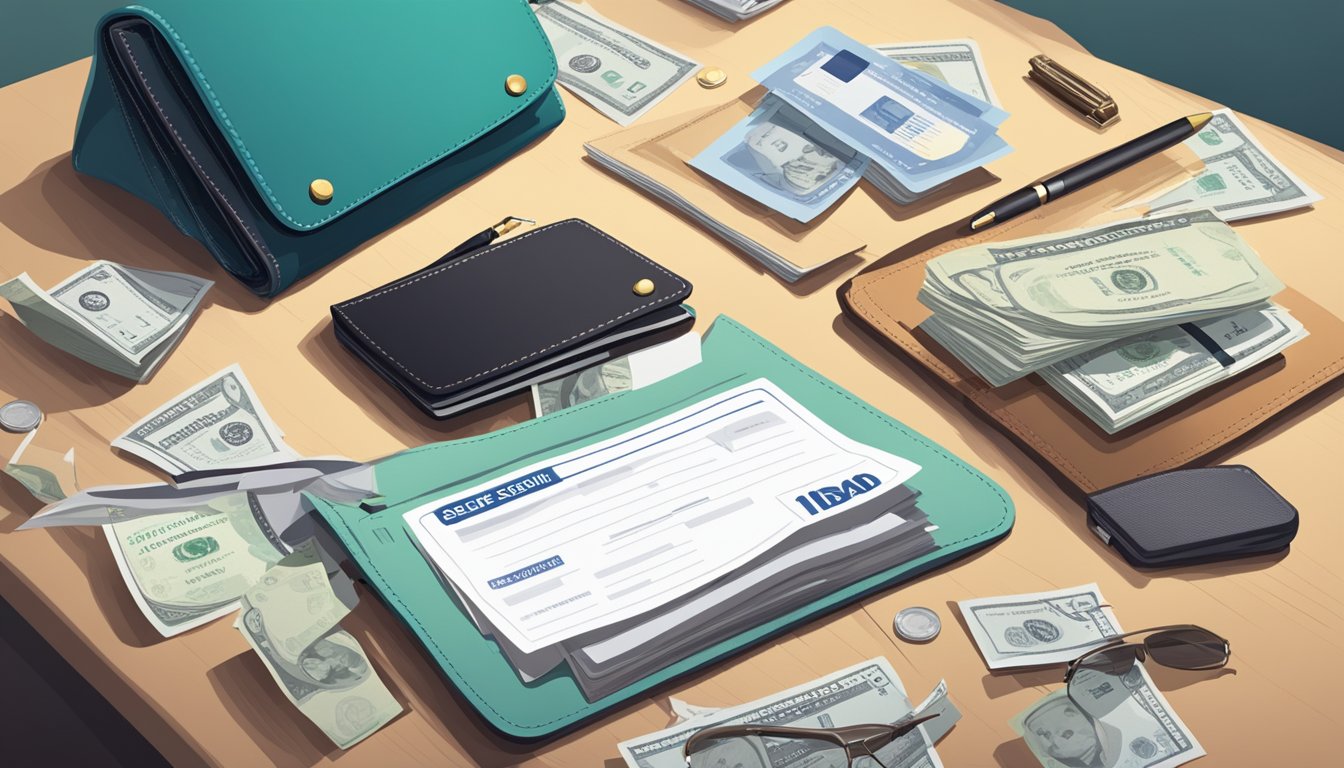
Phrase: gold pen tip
[983,220]
[1198,121]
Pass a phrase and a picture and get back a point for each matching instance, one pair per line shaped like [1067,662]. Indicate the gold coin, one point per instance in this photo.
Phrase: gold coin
[711,77]
[643,287]
[321,191]
[516,85]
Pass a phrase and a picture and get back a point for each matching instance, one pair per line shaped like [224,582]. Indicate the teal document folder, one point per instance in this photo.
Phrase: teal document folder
[970,510]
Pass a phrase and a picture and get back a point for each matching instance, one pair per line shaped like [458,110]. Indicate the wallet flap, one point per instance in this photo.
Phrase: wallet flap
[359,95]
[507,305]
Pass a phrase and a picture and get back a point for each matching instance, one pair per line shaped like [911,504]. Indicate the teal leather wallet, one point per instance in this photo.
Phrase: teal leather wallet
[281,134]
[970,510]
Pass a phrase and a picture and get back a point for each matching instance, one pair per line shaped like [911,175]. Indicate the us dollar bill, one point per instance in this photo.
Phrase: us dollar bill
[1039,627]
[122,319]
[955,62]
[1125,382]
[1241,179]
[784,161]
[1142,731]
[189,568]
[290,618]
[217,423]
[633,371]
[869,692]
[621,73]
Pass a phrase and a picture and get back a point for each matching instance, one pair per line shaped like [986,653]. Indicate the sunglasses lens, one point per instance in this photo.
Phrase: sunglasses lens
[1098,683]
[1192,648]
[767,752]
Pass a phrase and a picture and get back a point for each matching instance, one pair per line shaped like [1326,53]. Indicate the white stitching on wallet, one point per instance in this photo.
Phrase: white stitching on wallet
[681,286]
[378,189]
[183,146]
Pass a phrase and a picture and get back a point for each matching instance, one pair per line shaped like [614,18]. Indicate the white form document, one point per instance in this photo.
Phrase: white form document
[609,531]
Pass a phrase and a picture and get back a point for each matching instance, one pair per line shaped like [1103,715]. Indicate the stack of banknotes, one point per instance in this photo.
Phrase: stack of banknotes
[119,318]
[735,10]
[1123,319]
[837,111]
[1054,628]
[620,558]
[869,692]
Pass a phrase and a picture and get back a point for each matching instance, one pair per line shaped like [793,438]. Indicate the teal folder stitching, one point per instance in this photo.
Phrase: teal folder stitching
[970,510]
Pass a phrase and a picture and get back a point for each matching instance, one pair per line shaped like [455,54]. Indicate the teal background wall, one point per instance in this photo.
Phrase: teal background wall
[1279,60]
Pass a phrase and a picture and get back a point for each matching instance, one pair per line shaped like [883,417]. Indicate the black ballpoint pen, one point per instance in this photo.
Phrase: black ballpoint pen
[480,240]
[1088,171]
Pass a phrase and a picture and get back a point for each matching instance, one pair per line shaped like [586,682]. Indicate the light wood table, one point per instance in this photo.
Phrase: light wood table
[203,698]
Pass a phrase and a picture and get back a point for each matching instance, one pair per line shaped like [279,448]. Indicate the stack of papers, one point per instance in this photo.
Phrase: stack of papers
[624,556]
[837,111]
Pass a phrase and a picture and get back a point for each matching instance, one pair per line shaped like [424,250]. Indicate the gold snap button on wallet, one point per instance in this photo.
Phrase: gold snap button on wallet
[321,191]
[643,287]
[516,85]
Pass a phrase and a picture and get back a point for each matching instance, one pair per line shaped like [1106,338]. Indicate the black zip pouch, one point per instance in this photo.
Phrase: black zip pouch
[1187,516]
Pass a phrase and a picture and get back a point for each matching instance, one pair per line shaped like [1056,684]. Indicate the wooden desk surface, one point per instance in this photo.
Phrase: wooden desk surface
[204,698]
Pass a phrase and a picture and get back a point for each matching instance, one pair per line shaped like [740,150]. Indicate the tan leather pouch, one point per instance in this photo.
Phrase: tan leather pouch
[882,300]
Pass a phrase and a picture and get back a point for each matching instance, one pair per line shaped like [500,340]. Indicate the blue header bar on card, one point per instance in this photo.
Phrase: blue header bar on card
[464,508]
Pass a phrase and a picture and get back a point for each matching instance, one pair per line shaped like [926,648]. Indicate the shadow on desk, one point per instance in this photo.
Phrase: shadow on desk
[58,210]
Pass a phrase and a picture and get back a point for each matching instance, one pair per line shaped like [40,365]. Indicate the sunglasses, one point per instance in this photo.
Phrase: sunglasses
[1091,678]
[749,746]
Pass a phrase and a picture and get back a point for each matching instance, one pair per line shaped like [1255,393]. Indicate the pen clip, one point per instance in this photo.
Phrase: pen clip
[510,223]
[480,240]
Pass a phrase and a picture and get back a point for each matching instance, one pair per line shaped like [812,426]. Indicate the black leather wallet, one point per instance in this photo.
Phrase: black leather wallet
[487,322]
[1192,516]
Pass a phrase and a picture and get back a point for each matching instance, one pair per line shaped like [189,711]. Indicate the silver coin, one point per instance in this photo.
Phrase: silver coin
[917,624]
[20,416]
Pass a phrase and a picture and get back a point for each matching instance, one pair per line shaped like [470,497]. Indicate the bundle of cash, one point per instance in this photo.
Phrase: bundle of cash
[1240,179]
[837,111]
[869,692]
[740,507]
[121,319]
[290,618]
[1126,381]
[735,10]
[619,72]
[1039,628]
[1019,305]
[1142,732]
